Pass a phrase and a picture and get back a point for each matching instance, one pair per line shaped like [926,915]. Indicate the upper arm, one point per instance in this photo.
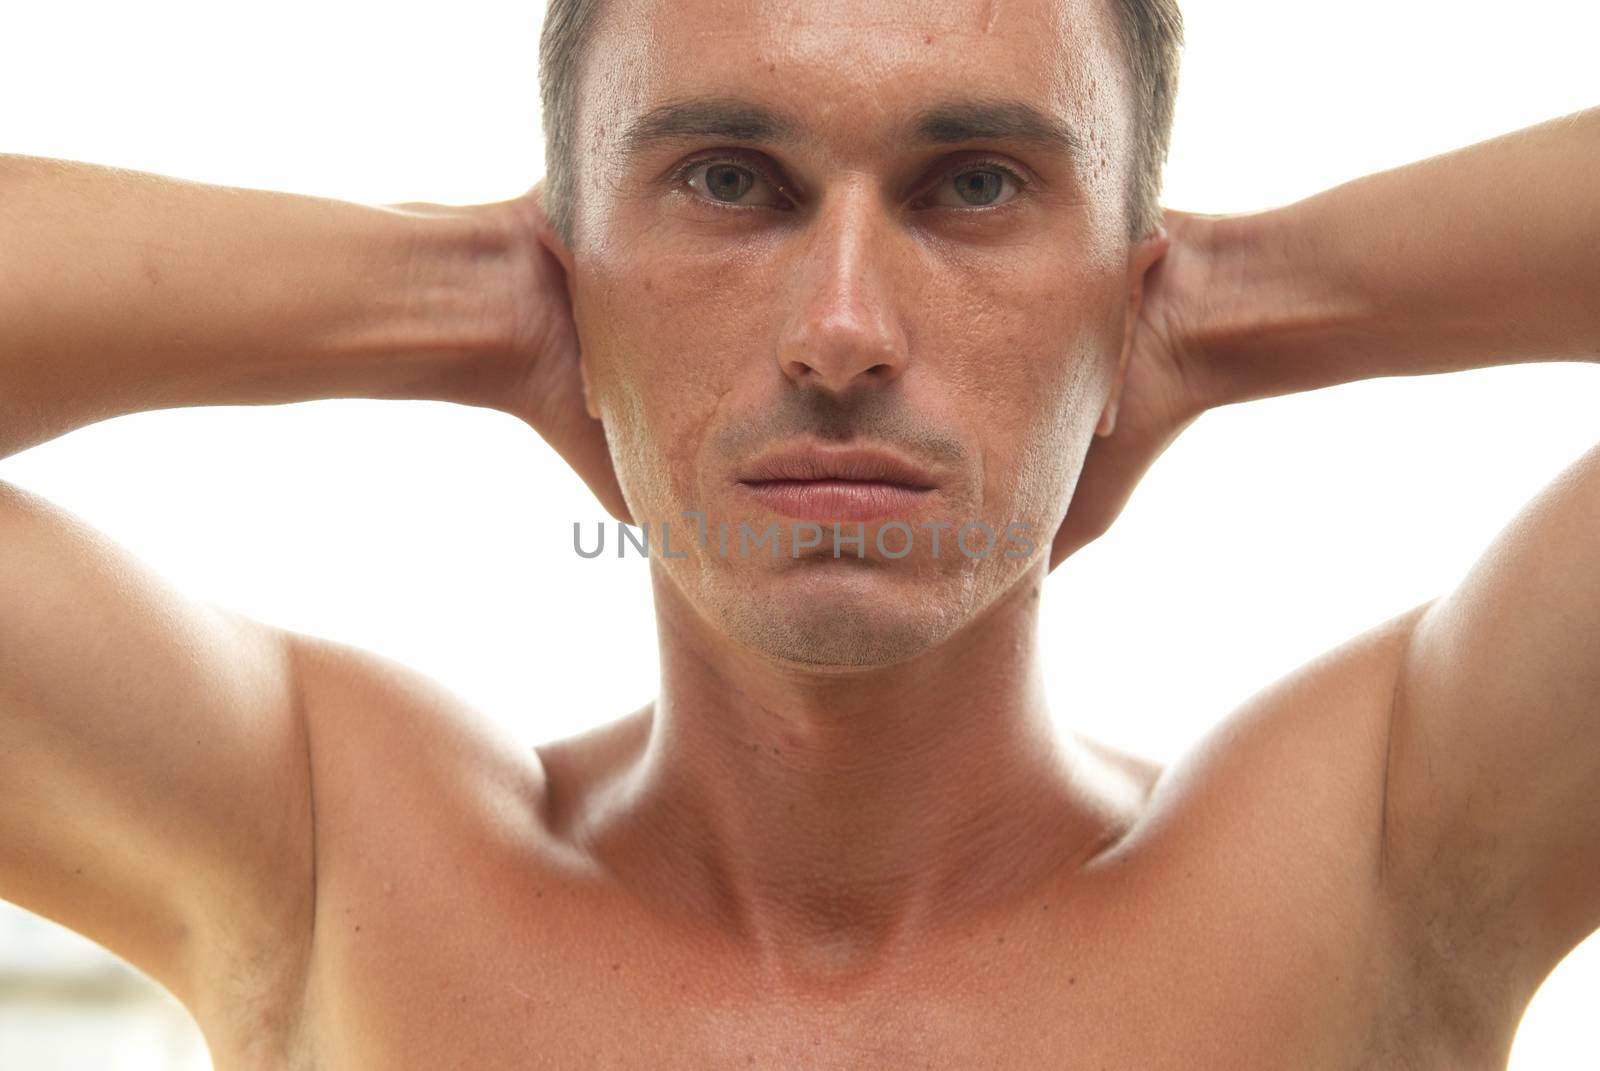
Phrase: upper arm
[1492,804]
[154,782]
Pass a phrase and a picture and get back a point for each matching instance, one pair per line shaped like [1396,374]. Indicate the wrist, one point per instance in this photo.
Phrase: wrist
[1276,309]
[447,333]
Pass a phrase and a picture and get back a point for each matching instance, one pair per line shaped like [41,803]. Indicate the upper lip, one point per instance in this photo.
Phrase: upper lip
[811,462]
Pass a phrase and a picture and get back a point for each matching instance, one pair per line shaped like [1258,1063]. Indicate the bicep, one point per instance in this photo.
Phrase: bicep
[154,783]
[1492,807]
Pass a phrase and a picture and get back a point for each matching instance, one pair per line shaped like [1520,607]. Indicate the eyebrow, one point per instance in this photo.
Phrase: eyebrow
[944,122]
[993,119]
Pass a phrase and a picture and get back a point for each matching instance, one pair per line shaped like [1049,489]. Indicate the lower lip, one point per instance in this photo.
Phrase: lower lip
[837,500]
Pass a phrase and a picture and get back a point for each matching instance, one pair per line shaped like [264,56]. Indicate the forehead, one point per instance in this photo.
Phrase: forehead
[857,74]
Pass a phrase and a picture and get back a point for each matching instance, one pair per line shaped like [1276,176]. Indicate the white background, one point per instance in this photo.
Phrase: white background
[440,534]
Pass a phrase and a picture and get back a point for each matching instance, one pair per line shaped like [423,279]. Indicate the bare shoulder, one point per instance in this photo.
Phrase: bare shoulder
[156,793]
[1317,734]
[1317,745]
[387,735]
[1493,818]
[402,768]
[1291,784]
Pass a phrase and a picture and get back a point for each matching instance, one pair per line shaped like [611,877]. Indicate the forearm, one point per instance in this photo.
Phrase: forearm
[1486,255]
[123,291]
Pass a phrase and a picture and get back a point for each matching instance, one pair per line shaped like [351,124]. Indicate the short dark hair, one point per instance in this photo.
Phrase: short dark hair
[1151,32]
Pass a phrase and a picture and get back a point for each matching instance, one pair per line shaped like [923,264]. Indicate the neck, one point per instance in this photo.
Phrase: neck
[829,815]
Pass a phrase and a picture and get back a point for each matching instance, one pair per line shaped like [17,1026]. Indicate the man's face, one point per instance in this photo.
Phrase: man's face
[879,274]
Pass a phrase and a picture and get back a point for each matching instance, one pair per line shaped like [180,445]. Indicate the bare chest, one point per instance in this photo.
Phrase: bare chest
[1241,925]
[1168,966]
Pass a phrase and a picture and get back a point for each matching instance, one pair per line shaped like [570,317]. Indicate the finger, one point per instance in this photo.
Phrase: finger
[581,441]
[590,458]
[1110,471]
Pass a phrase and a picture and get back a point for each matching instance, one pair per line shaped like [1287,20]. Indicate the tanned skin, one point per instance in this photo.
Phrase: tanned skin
[847,832]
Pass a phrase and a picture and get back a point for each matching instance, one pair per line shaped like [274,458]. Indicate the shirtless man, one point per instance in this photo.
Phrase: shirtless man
[845,834]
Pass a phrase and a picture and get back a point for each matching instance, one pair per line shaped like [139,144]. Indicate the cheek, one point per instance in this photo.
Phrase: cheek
[660,349]
[1032,366]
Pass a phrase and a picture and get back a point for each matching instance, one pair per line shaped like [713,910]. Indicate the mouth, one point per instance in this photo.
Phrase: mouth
[850,484]
[837,499]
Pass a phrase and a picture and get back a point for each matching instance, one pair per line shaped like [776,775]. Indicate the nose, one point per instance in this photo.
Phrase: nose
[845,333]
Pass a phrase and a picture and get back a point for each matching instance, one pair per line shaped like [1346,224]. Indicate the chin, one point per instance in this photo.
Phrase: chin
[846,614]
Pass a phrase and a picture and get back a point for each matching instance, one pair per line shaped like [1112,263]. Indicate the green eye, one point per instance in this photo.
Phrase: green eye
[978,187]
[726,182]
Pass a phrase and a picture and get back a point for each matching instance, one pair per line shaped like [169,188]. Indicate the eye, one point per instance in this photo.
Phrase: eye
[980,185]
[725,182]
